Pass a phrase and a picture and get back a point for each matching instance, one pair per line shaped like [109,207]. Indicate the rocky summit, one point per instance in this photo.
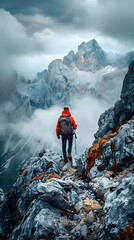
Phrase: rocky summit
[90,71]
[88,198]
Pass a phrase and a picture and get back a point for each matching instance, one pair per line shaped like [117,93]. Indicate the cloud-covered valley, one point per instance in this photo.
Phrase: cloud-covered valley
[40,128]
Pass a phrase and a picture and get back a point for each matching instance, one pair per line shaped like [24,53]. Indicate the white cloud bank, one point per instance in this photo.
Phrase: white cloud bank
[41,127]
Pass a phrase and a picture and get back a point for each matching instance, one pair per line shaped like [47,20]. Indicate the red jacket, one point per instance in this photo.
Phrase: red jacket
[72,121]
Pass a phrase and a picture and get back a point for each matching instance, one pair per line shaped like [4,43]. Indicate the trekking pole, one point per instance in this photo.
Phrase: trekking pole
[75,144]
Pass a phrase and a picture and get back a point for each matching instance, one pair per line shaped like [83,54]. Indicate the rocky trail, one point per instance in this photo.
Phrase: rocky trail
[48,203]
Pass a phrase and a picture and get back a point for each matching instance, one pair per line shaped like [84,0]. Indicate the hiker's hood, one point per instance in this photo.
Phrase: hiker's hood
[66,113]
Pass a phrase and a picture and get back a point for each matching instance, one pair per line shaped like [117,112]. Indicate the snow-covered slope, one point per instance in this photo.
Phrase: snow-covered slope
[91,71]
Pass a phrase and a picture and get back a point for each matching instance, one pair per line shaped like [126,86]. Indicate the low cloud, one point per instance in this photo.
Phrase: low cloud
[7,86]
[14,39]
[20,52]
[41,127]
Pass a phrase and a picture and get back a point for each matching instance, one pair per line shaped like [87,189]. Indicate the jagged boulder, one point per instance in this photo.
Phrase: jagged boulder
[122,110]
[119,211]
[120,149]
[105,123]
[128,88]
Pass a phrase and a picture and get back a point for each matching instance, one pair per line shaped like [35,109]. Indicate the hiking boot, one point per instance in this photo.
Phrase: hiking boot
[69,156]
[65,160]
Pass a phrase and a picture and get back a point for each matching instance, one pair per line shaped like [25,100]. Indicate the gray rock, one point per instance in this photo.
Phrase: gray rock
[119,209]
[123,152]
[105,123]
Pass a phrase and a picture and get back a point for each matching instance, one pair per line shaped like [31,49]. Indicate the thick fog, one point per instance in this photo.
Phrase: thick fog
[41,127]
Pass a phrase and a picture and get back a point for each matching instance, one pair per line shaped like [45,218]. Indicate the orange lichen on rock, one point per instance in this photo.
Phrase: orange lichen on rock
[51,176]
[40,177]
[44,177]
[49,164]
[127,233]
[95,151]
[106,138]
[118,125]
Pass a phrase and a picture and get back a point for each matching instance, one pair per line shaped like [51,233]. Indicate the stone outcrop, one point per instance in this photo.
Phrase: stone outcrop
[114,143]
[117,154]
[119,211]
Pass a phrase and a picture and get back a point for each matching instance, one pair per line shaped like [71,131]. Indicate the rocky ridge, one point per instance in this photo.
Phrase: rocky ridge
[90,71]
[117,154]
[51,201]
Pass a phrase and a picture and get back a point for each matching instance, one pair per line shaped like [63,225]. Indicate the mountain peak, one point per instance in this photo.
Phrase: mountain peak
[89,46]
[55,63]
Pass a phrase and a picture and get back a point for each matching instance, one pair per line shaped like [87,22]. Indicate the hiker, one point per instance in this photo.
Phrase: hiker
[65,128]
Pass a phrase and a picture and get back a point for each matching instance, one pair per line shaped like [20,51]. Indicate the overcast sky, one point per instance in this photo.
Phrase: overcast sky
[34,32]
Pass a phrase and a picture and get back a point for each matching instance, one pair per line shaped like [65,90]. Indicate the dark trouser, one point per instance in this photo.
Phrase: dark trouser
[64,144]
